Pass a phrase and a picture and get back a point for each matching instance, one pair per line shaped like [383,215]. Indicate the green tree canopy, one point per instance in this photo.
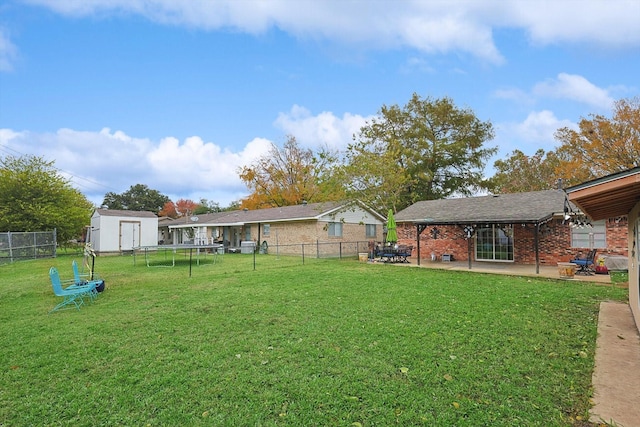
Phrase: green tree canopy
[428,149]
[205,206]
[35,197]
[138,198]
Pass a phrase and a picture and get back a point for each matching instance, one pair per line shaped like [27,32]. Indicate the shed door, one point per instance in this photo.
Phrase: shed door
[129,235]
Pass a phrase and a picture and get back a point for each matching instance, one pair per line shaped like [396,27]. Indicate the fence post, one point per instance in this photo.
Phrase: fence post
[10,247]
[303,253]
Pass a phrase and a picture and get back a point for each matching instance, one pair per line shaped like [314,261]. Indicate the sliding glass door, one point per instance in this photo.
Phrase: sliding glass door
[494,243]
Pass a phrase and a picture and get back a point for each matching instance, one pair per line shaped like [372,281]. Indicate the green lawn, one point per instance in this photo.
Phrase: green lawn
[324,343]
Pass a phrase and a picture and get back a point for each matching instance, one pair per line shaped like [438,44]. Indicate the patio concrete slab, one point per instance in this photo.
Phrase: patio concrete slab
[616,377]
[550,272]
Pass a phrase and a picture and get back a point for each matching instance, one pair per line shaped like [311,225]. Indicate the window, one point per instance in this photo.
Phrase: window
[494,243]
[590,237]
[266,229]
[335,229]
[371,231]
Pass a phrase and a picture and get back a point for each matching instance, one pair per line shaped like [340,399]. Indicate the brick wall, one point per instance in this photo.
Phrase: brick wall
[554,241]
[617,236]
[449,239]
[308,232]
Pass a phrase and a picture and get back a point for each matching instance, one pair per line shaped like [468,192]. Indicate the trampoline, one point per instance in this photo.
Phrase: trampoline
[215,249]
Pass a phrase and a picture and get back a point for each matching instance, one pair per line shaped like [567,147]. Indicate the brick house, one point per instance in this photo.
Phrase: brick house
[308,223]
[524,228]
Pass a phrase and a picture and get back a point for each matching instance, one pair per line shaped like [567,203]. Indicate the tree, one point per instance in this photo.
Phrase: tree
[288,176]
[429,149]
[185,207]
[182,208]
[35,197]
[168,210]
[205,207]
[601,146]
[138,198]
[520,173]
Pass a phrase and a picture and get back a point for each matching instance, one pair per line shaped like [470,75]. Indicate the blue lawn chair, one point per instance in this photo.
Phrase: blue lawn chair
[586,265]
[73,294]
[85,279]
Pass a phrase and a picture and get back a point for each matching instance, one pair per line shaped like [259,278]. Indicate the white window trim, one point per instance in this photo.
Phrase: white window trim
[590,237]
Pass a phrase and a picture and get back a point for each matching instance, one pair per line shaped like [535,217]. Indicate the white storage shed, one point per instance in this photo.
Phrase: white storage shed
[114,231]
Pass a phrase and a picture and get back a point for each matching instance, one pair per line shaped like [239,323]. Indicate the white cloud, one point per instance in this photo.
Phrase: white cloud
[539,126]
[415,64]
[534,132]
[604,23]
[324,129]
[432,27]
[575,88]
[517,95]
[8,52]
[99,162]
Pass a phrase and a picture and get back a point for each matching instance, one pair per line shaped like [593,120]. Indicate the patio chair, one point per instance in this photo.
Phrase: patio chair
[389,253]
[73,294]
[404,252]
[586,265]
[85,279]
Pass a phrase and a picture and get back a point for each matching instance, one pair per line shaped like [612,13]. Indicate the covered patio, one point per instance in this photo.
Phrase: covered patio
[502,228]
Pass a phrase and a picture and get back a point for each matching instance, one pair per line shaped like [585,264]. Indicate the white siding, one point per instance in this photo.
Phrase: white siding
[355,215]
[118,233]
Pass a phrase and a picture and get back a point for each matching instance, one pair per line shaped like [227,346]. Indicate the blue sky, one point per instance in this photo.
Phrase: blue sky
[178,95]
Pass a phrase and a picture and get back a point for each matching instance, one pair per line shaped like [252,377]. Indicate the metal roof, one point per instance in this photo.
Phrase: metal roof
[126,213]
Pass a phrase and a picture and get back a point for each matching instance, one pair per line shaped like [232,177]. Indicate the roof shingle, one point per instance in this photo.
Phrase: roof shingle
[532,206]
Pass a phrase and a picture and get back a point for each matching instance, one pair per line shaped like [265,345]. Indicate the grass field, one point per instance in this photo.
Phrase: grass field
[282,343]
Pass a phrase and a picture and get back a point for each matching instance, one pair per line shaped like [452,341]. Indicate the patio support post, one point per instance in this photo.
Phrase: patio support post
[418,241]
[469,231]
[537,246]
[419,229]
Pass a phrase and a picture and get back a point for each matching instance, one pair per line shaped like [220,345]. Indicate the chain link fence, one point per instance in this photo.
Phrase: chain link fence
[15,246]
[319,250]
[252,257]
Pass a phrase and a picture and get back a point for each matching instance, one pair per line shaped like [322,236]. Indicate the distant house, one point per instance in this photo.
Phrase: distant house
[613,196]
[526,228]
[196,229]
[300,224]
[115,231]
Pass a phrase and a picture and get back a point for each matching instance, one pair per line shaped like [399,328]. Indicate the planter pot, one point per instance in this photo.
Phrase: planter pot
[566,270]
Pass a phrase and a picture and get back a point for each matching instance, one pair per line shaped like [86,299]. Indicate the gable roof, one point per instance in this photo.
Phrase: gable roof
[530,207]
[303,212]
[199,219]
[125,213]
